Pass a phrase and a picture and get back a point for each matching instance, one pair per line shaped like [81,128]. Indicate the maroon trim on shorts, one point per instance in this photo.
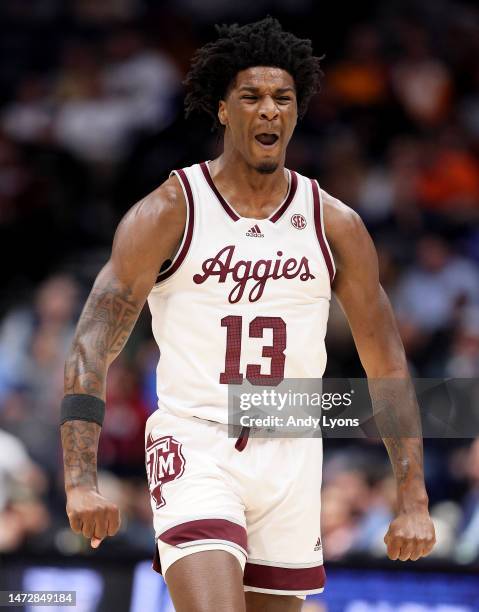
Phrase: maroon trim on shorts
[189,230]
[284,578]
[292,192]
[319,230]
[222,201]
[202,529]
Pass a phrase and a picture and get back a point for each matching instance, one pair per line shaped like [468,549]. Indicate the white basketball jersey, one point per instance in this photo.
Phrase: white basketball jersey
[243,298]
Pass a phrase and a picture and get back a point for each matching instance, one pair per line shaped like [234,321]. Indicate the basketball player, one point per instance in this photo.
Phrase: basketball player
[237,258]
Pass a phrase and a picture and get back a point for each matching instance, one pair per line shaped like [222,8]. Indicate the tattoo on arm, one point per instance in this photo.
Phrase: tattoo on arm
[80,445]
[397,417]
[104,327]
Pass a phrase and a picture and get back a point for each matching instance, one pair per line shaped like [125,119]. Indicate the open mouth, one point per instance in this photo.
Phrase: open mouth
[267,140]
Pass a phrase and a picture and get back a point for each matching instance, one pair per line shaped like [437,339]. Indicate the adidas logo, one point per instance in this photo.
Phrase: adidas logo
[255,232]
[318,545]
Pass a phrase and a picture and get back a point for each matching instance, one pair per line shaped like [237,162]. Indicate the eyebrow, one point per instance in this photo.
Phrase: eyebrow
[254,89]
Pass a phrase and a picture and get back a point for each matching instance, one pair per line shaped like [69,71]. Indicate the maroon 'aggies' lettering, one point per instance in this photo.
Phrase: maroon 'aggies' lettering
[221,265]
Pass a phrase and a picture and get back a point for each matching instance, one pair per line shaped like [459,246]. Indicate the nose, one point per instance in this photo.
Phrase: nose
[268,109]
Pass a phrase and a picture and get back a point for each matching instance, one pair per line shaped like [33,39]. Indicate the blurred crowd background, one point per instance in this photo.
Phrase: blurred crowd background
[91,120]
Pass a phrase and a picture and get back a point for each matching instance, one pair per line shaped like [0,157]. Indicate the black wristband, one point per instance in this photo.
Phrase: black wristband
[82,407]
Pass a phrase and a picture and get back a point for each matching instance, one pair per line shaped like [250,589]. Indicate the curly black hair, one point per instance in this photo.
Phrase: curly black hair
[263,43]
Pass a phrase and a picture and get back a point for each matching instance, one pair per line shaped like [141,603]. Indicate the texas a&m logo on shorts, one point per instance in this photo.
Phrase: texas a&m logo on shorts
[164,462]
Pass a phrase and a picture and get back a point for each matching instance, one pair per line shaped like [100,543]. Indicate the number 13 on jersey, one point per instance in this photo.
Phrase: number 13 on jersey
[231,374]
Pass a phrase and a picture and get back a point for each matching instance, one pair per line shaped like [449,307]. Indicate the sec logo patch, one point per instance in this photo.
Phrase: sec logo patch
[298,221]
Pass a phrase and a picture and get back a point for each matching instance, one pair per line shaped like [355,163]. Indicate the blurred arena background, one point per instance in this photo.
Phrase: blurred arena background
[90,121]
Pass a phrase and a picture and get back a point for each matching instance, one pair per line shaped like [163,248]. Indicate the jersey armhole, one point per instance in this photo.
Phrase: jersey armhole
[320,233]
[187,234]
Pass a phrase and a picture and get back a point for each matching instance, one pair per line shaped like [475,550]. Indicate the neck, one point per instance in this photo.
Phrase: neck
[246,188]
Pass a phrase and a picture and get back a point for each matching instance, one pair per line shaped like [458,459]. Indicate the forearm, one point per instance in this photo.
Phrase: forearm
[80,447]
[103,329]
[397,417]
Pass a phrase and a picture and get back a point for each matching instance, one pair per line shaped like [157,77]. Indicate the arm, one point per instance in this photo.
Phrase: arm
[147,235]
[372,322]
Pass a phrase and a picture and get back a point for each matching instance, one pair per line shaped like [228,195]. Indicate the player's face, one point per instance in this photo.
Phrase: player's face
[259,115]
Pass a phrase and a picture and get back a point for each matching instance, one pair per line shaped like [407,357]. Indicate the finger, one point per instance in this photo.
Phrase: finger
[393,548]
[424,548]
[113,521]
[88,528]
[406,550]
[417,552]
[95,542]
[75,524]
[101,520]
[428,546]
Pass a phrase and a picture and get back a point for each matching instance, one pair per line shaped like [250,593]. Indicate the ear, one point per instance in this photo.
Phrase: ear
[222,113]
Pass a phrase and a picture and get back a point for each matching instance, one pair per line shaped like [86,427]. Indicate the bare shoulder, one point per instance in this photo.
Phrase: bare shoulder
[150,231]
[340,220]
[160,214]
[346,233]
[169,196]
[166,204]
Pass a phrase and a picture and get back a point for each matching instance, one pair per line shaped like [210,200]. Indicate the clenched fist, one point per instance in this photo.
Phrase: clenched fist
[91,514]
[410,536]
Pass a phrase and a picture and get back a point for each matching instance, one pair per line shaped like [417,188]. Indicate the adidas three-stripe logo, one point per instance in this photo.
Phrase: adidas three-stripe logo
[255,232]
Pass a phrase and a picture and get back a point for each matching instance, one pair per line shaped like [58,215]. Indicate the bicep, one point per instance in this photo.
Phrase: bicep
[365,303]
[145,238]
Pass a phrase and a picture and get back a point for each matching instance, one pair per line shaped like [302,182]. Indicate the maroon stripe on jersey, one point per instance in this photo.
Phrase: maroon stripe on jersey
[284,578]
[292,192]
[222,201]
[319,230]
[189,230]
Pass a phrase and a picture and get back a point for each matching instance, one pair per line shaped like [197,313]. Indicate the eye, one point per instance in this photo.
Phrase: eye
[284,99]
[249,97]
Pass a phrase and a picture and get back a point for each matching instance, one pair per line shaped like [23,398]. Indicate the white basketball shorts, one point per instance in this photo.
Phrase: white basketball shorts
[261,504]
